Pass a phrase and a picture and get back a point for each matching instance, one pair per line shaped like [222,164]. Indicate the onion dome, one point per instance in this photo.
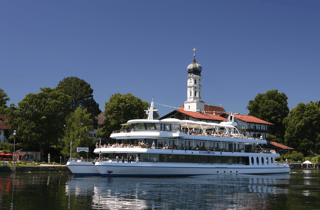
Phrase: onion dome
[194,67]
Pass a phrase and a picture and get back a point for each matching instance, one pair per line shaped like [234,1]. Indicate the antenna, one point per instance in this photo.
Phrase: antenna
[150,111]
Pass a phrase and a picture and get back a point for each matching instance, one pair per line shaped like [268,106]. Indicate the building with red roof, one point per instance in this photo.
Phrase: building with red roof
[195,109]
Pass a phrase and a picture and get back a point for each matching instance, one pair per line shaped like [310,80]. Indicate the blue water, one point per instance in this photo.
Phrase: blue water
[297,190]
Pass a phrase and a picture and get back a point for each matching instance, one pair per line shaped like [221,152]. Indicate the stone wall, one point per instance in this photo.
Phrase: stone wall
[36,169]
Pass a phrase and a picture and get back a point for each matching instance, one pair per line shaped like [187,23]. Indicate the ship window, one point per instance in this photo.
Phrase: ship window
[252,161]
[257,161]
[262,160]
[272,161]
[195,81]
[150,126]
[175,127]
[158,126]
[267,160]
[139,127]
[167,127]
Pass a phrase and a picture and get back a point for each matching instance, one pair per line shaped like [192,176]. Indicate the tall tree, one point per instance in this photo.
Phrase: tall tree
[122,108]
[272,107]
[303,128]
[39,118]
[3,100]
[81,94]
[77,129]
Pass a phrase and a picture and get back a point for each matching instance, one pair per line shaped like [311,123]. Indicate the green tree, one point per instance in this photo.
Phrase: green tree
[122,108]
[303,128]
[3,100]
[77,129]
[272,107]
[39,119]
[81,95]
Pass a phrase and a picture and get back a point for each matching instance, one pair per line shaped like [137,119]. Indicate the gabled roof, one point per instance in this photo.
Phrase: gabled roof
[216,113]
[197,115]
[204,116]
[276,144]
[3,118]
[251,119]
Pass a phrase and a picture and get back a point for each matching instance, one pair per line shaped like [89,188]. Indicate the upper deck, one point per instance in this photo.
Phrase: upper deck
[182,129]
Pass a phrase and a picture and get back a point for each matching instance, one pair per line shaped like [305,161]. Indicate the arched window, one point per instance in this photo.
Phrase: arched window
[190,93]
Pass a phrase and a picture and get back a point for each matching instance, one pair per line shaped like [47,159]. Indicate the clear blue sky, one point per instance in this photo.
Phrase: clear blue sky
[144,47]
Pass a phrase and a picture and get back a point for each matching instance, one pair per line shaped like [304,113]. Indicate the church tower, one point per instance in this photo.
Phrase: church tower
[194,102]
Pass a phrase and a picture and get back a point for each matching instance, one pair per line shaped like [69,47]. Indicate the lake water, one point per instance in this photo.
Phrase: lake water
[297,190]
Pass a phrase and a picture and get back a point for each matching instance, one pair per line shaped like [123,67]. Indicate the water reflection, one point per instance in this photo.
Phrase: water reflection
[179,193]
[297,190]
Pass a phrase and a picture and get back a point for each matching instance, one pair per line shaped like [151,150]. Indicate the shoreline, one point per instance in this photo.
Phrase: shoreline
[43,168]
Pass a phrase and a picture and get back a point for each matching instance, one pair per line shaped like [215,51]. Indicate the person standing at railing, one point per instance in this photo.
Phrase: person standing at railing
[153,145]
[117,159]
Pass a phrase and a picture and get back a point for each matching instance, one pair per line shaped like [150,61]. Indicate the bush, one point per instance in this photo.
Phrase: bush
[292,157]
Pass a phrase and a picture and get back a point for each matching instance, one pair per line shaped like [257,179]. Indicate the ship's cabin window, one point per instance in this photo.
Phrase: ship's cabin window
[158,126]
[139,127]
[150,126]
[167,127]
[262,160]
[272,160]
[267,161]
[257,160]
[175,127]
[252,161]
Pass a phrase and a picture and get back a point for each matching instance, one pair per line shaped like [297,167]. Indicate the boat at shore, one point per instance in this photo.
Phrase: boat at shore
[81,167]
[173,147]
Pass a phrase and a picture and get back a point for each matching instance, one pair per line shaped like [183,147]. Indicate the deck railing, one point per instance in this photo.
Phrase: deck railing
[170,147]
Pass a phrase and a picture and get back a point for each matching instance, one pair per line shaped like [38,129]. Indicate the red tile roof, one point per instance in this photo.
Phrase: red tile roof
[200,115]
[276,144]
[216,109]
[251,119]
[3,118]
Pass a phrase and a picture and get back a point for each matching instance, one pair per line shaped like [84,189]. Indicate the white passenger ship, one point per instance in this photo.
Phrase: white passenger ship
[173,147]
